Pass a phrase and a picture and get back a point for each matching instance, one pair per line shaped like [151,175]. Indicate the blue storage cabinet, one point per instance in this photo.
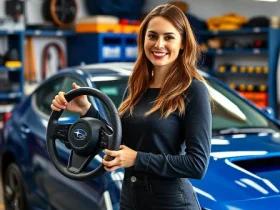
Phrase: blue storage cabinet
[130,47]
[88,48]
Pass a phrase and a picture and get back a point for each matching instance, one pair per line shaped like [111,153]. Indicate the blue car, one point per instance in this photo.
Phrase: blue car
[243,172]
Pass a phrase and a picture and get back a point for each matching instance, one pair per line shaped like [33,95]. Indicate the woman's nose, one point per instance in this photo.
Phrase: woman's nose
[159,43]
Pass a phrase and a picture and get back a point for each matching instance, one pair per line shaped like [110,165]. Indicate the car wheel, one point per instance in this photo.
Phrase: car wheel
[14,193]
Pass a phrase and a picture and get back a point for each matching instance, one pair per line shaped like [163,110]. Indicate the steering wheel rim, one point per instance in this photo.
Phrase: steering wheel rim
[114,144]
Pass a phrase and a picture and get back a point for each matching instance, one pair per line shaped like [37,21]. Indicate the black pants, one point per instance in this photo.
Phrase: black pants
[148,193]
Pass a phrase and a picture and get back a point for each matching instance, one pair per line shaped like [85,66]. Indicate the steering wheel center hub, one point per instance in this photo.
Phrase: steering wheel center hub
[79,136]
[84,135]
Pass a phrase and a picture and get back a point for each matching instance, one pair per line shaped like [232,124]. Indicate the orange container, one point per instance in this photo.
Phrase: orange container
[130,29]
[260,99]
[260,96]
[97,28]
[261,104]
[248,95]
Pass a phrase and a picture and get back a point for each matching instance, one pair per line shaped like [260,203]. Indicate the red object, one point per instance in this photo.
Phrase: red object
[129,22]
[6,116]
[62,58]
[124,21]
[258,98]
[258,43]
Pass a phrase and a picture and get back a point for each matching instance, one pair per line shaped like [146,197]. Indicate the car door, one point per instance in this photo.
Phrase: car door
[32,124]
[61,192]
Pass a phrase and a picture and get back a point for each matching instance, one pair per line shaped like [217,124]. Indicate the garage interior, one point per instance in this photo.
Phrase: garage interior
[239,40]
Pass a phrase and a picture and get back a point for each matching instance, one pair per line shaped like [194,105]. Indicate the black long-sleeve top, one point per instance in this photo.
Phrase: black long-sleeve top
[176,146]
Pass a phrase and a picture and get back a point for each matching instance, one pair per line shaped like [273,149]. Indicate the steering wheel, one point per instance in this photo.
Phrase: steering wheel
[85,138]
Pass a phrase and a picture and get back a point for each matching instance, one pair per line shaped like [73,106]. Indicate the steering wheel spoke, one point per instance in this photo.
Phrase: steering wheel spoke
[61,133]
[77,163]
[105,138]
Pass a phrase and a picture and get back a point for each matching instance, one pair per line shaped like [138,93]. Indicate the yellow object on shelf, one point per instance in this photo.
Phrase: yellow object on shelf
[250,69]
[230,21]
[262,88]
[222,69]
[250,87]
[232,85]
[242,87]
[13,64]
[242,69]
[265,70]
[228,26]
[233,69]
[258,69]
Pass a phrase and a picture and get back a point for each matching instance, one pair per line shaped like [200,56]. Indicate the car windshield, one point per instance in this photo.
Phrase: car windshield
[231,114]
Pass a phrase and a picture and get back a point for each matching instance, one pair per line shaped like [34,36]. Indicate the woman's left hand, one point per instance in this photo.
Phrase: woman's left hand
[123,158]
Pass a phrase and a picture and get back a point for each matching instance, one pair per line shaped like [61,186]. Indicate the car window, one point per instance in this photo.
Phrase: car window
[46,94]
[67,86]
[113,87]
[231,111]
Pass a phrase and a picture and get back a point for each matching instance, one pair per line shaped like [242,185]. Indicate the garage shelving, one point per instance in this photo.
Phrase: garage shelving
[3,68]
[12,81]
[86,48]
[48,33]
[10,32]
[16,40]
[255,30]
[217,73]
[236,51]
[81,48]
[267,55]
[90,48]
[15,76]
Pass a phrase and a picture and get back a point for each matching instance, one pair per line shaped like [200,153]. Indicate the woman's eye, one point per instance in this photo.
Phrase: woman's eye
[168,37]
[152,36]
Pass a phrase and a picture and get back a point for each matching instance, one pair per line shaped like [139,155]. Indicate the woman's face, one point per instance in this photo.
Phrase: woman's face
[162,42]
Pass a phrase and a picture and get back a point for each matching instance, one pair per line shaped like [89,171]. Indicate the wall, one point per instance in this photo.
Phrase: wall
[209,8]
[201,8]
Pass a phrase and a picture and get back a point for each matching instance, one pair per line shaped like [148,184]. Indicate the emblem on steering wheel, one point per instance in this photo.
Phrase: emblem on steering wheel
[80,134]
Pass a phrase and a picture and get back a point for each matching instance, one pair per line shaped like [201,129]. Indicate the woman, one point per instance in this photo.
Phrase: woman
[165,114]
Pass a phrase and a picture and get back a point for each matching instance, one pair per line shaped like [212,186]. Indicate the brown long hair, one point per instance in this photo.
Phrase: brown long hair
[183,70]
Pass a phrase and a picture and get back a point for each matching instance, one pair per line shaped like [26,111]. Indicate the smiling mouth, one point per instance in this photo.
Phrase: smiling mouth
[159,54]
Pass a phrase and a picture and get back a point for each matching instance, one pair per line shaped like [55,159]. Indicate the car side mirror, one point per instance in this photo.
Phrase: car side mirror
[269,110]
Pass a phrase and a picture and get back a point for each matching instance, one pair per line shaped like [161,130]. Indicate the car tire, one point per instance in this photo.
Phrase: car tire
[14,192]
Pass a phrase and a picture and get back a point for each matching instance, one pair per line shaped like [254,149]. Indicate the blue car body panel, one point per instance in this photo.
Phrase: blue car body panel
[229,184]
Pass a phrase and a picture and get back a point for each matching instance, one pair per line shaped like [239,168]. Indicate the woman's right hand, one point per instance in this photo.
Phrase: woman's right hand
[79,104]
